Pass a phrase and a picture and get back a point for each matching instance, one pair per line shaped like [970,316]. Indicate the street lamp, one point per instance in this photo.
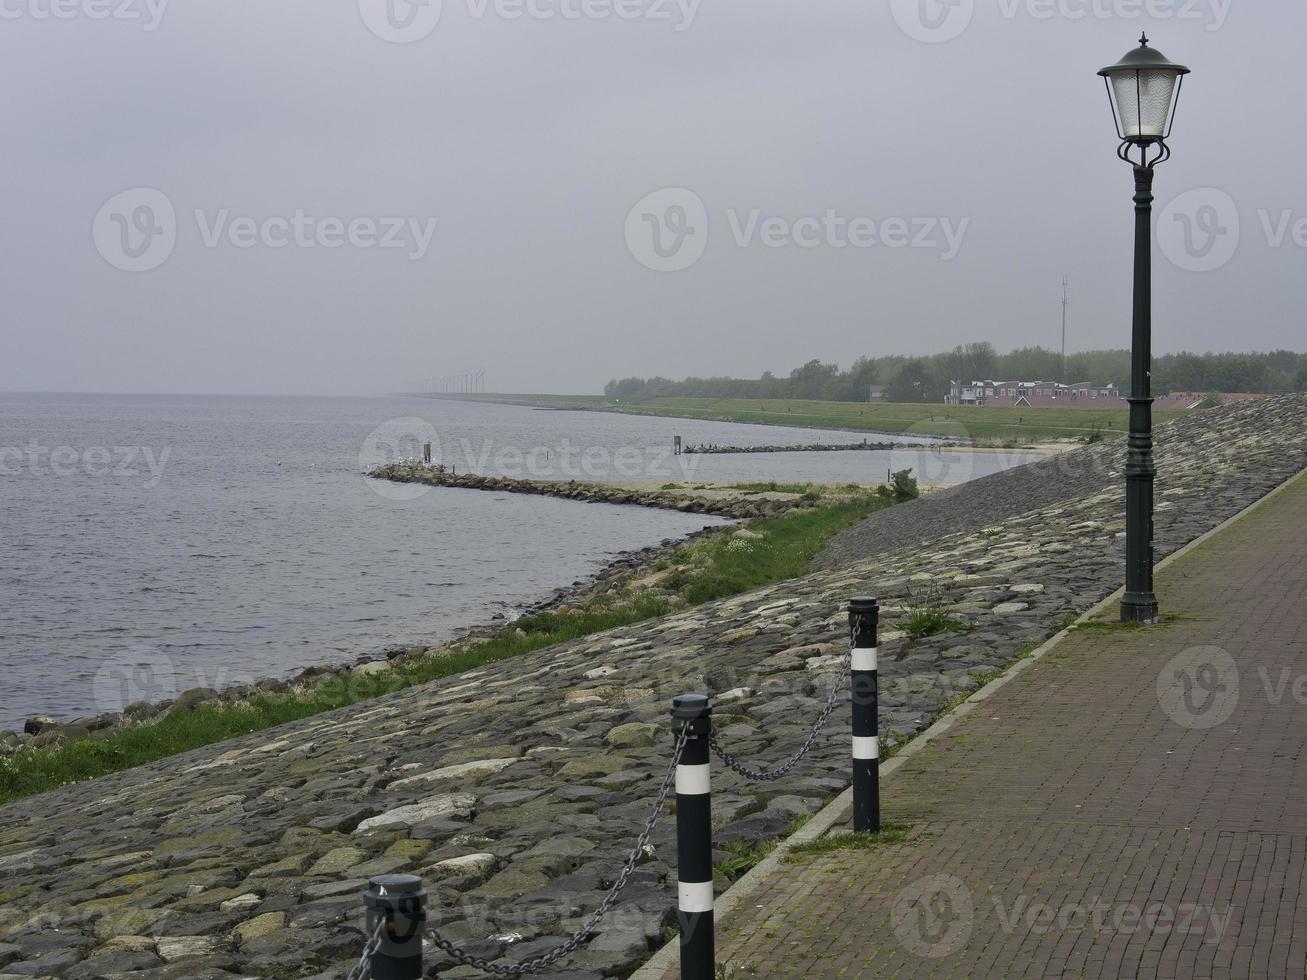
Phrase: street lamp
[1144,89]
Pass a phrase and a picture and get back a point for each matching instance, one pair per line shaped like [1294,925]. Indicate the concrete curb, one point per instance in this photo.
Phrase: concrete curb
[835,811]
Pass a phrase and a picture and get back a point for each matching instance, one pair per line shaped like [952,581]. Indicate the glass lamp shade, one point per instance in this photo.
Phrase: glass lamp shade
[1143,102]
[1143,89]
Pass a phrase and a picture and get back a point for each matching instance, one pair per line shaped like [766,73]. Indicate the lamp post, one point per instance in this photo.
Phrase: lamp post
[1144,89]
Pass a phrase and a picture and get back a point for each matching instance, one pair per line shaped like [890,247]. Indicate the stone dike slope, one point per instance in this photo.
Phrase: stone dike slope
[517,789]
[978,504]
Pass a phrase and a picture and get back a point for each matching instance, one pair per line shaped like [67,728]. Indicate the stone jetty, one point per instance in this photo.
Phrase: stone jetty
[517,789]
[740,507]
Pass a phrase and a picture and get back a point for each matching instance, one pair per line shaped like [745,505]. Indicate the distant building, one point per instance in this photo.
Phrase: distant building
[878,393]
[1030,394]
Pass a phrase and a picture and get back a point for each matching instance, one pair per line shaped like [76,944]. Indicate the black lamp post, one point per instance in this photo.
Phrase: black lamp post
[1144,89]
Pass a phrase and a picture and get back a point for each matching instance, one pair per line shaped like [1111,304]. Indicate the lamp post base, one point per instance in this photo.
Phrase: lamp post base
[1140,609]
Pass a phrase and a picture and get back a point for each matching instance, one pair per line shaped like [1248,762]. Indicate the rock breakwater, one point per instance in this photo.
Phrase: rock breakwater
[738,507]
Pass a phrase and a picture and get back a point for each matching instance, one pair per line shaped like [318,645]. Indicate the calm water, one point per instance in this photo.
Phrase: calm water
[149,544]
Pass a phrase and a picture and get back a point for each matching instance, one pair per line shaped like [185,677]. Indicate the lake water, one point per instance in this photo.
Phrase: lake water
[150,544]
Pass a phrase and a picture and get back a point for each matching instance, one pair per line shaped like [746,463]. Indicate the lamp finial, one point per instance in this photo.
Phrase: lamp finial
[1143,39]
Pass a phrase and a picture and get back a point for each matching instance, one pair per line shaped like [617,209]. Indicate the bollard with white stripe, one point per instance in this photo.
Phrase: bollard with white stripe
[694,906]
[399,904]
[864,623]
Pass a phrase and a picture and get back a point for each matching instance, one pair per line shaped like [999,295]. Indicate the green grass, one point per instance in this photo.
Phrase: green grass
[1112,626]
[890,833]
[742,857]
[992,426]
[716,566]
[930,622]
[714,569]
[771,487]
[928,616]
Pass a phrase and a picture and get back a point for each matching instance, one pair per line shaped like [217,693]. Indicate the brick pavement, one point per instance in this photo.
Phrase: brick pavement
[1088,820]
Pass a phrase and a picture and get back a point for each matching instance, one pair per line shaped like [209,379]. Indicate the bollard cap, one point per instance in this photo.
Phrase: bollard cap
[395,893]
[397,885]
[691,707]
[863,605]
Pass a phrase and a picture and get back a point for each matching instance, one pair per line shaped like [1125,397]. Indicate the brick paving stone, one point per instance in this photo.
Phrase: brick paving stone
[1079,824]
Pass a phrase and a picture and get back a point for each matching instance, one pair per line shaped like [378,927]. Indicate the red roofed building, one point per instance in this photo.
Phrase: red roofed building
[1031,394]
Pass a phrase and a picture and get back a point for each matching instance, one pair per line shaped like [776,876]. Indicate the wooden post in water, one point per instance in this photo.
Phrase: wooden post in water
[676,446]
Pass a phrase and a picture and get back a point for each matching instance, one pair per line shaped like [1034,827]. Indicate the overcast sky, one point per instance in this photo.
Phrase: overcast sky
[343,196]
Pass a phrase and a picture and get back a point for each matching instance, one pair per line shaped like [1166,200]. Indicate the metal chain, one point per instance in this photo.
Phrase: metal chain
[363,968]
[548,959]
[768,775]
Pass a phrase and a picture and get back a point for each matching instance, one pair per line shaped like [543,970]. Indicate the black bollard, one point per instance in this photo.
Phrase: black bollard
[864,624]
[694,905]
[401,902]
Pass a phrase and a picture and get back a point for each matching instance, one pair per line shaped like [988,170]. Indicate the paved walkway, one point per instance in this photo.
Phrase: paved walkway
[1135,804]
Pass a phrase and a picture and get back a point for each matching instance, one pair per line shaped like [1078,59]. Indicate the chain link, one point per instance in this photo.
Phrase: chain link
[548,959]
[363,968]
[768,775]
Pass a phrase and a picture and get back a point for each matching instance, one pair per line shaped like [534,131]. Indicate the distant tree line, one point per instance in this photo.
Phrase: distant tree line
[927,379]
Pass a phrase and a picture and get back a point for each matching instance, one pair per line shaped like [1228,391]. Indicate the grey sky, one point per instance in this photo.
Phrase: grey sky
[529,140]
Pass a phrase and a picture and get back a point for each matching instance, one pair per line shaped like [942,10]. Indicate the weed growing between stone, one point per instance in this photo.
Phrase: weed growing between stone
[742,856]
[890,833]
[928,615]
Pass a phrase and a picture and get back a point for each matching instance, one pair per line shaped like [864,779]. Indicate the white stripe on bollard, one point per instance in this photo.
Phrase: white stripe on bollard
[866,748]
[864,659]
[694,896]
[692,780]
